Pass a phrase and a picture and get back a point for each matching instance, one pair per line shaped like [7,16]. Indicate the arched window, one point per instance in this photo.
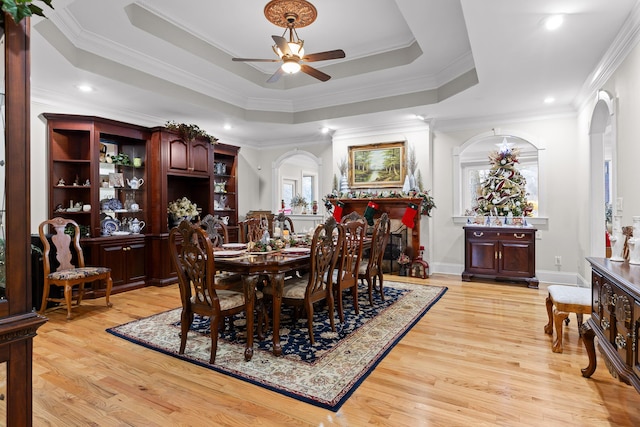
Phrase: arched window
[471,166]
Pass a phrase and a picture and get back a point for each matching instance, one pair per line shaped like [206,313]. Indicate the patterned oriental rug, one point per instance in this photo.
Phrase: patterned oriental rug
[324,374]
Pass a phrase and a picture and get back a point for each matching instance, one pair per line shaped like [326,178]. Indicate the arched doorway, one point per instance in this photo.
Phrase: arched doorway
[297,169]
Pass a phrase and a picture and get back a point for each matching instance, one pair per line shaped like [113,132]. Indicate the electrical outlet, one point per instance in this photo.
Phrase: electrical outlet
[558,260]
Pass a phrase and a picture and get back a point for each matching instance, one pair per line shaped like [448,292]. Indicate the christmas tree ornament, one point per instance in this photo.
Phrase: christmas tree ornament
[371,209]
[409,216]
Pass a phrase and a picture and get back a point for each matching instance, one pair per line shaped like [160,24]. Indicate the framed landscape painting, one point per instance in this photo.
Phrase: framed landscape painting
[377,165]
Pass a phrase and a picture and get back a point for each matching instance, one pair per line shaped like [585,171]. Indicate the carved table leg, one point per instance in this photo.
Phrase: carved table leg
[548,328]
[588,336]
[249,286]
[278,285]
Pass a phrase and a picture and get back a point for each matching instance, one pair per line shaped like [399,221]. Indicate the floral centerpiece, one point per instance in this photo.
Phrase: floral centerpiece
[270,245]
[181,209]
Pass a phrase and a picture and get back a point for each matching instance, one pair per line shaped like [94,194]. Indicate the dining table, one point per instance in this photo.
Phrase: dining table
[254,266]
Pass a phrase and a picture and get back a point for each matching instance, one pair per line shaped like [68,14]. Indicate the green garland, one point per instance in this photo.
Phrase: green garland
[425,207]
[190,132]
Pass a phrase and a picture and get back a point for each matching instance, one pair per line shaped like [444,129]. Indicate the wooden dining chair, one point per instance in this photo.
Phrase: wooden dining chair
[351,216]
[192,257]
[316,284]
[252,229]
[345,276]
[71,269]
[371,268]
[216,230]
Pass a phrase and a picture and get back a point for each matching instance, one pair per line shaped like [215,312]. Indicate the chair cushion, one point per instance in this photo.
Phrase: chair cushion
[228,299]
[294,288]
[573,295]
[364,263]
[78,273]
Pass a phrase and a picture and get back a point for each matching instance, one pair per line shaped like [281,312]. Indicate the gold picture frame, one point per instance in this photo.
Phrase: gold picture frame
[377,165]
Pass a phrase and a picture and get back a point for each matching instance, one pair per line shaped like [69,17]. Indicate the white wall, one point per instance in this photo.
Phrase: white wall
[563,176]
[417,135]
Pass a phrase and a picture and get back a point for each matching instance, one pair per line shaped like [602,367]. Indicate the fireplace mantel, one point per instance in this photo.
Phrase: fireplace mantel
[395,208]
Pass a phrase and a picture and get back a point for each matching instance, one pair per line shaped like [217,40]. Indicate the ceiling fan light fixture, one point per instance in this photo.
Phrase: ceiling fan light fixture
[290,66]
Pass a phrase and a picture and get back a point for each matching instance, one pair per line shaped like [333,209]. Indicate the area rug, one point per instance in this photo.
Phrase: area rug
[324,374]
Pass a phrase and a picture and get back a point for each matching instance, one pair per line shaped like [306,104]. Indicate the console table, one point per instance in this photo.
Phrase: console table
[503,253]
[615,319]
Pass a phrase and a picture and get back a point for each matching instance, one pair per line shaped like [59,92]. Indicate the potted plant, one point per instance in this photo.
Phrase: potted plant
[298,203]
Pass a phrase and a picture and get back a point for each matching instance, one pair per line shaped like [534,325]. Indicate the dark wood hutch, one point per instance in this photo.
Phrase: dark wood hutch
[169,168]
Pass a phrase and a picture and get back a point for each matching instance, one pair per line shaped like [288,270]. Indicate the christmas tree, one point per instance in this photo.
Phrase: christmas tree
[503,191]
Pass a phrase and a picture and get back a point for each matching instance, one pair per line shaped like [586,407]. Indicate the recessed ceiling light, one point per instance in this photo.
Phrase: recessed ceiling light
[85,88]
[325,130]
[227,126]
[553,22]
[549,100]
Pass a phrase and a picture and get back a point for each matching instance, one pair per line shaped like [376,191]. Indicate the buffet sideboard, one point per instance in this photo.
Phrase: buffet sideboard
[615,319]
[501,253]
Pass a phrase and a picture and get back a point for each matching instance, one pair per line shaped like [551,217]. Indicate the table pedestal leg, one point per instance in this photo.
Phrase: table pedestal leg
[249,286]
[277,281]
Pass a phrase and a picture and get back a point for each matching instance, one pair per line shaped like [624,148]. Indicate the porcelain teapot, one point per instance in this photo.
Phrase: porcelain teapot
[136,226]
[135,183]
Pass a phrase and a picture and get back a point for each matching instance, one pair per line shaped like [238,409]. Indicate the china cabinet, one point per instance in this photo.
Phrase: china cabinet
[503,253]
[189,157]
[178,169]
[98,178]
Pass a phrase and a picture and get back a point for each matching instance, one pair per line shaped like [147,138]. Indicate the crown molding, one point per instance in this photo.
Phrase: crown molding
[623,44]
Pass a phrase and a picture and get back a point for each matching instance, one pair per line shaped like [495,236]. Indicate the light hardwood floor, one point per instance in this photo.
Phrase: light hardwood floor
[479,357]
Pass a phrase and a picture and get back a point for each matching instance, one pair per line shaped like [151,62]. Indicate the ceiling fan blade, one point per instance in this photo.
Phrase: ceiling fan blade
[254,60]
[281,42]
[276,76]
[323,56]
[314,73]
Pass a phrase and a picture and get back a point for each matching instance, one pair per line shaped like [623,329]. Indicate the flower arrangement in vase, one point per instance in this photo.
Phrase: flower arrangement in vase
[181,209]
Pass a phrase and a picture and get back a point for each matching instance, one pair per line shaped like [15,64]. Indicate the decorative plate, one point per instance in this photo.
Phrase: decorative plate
[109,226]
[115,204]
[234,245]
[227,253]
[296,250]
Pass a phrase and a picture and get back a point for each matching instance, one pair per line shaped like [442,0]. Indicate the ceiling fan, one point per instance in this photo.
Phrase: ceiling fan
[291,14]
